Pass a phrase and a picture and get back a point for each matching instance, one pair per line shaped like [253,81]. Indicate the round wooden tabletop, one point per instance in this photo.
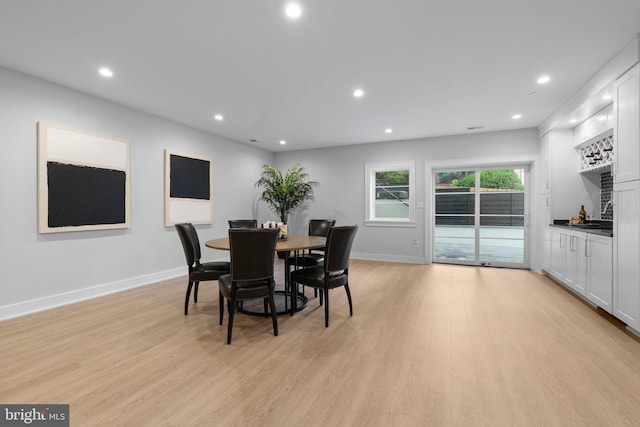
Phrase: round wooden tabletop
[292,243]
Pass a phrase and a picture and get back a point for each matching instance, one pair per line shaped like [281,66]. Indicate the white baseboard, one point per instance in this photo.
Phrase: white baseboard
[52,301]
[45,303]
[387,257]
[633,331]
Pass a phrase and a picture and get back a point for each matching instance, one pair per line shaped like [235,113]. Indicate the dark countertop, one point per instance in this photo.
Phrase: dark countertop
[599,227]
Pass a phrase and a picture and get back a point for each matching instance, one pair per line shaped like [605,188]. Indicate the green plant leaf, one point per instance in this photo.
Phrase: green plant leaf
[285,193]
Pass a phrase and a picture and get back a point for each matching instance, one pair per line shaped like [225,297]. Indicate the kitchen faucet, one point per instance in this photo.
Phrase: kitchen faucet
[606,206]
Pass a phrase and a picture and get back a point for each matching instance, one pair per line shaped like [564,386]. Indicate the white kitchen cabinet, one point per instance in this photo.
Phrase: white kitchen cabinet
[565,183]
[597,154]
[568,261]
[575,273]
[627,126]
[545,212]
[562,190]
[626,253]
[583,262]
[580,276]
[558,253]
[599,257]
[545,220]
[545,163]
[558,163]
[595,125]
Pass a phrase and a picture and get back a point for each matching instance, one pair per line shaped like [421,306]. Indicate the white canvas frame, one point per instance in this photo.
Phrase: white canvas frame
[177,209]
[79,148]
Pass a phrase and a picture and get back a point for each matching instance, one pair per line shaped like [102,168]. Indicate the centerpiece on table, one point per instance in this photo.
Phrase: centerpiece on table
[285,193]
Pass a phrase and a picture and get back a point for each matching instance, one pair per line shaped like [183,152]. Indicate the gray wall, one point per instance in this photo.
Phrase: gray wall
[341,174]
[38,270]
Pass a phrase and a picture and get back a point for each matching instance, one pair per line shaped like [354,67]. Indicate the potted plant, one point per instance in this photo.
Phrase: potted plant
[285,193]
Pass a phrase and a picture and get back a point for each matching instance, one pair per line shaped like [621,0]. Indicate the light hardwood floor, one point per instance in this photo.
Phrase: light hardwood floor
[428,345]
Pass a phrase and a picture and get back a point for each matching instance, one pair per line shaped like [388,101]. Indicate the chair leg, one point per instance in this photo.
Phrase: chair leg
[195,292]
[326,307]
[186,299]
[321,292]
[232,312]
[287,272]
[266,310]
[294,297]
[346,288]
[286,294]
[221,304]
[274,315]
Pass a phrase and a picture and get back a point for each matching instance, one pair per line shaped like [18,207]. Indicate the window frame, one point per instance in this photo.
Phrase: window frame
[478,215]
[370,194]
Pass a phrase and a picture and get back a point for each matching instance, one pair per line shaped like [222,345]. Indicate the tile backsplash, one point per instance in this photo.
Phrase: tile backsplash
[606,193]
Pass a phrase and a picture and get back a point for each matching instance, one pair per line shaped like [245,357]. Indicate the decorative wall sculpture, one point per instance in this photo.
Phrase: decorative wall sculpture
[83,180]
[188,186]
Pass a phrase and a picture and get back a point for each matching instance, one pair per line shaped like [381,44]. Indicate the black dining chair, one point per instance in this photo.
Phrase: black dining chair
[198,272]
[317,227]
[335,270]
[252,261]
[243,223]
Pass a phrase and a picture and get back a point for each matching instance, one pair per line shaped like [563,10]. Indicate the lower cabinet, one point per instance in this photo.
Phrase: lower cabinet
[626,267]
[568,262]
[545,215]
[599,254]
[583,262]
[558,252]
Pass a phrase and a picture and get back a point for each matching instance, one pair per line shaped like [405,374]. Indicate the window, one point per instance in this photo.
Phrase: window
[390,193]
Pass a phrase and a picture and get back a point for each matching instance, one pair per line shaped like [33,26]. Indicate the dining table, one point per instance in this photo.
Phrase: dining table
[287,300]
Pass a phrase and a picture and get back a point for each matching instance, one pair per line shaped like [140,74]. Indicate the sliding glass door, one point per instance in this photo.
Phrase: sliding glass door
[480,217]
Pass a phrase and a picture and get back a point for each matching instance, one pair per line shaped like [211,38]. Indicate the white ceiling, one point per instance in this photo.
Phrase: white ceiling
[428,67]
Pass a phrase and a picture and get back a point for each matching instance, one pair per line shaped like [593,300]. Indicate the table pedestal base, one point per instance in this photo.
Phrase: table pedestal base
[283,304]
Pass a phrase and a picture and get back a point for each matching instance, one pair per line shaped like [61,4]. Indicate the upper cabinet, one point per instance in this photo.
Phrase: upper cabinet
[627,126]
[594,126]
[559,176]
[594,140]
[545,163]
[597,153]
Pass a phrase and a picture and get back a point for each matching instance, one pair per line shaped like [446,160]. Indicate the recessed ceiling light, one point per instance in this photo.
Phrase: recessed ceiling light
[543,79]
[573,121]
[358,93]
[218,117]
[105,72]
[283,142]
[606,97]
[293,10]
[516,116]
[388,130]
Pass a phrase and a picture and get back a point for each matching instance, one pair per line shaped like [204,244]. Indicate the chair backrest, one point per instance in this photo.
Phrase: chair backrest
[320,227]
[243,223]
[252,253]
[190,242]
[339,243]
